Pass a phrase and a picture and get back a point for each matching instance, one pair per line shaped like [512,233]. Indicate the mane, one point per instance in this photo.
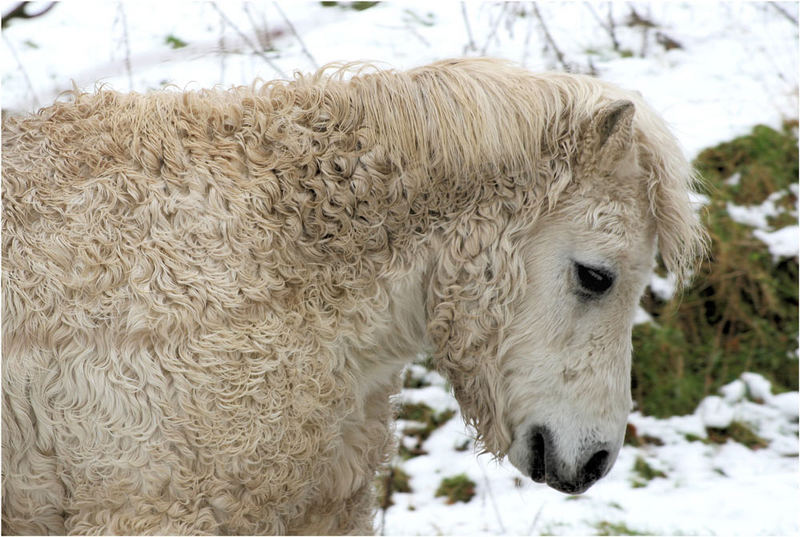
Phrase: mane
[460,117]
[463,117]
[462,123]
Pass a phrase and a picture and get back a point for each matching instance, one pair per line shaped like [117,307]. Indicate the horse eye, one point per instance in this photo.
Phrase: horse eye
[593,281]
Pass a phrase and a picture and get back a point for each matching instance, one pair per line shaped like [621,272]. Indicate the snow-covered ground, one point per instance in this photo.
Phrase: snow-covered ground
[708,488]
[737,66]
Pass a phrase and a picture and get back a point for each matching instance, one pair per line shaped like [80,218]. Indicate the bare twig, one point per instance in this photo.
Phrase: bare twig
[528,34]
[413,31]
[21,67]
[261,28]
[494,503]
[592,67]
[297,35]
[635,19]
[386,500]
[535,519]
[607,26]
[645,41]
[471,47]
[549,38]
[20,12]
[223,50]
[783,12]
[124,21]
[494,29]
[249,42]
[612,27]
[645,23]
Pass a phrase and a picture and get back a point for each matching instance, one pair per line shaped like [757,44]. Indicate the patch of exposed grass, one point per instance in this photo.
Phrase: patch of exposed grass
[741,312]
[458,488]
[413,382]
[738,432]
[694,438]
[605,527]
[429,19]
[644,473]
[175,42]
[355,6]
[463,446]
[633,438]
[430,420]
[394,479]
[406,453]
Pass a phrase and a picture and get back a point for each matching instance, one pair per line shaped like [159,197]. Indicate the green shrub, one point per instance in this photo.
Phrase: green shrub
[458,488]
[740,313]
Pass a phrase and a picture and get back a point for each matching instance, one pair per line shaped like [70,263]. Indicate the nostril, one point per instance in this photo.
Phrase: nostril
[537,457]
[594,467]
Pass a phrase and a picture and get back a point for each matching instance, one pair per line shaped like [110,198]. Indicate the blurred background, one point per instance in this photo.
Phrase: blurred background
[712,447]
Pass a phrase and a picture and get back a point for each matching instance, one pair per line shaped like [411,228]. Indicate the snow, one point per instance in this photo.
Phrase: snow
[715,412]
[698,200]
[715,489]
[663,288]
[738,67]
[758,387]
[734,391]
[753,215]
[641,316]
[734,179]
[784,242]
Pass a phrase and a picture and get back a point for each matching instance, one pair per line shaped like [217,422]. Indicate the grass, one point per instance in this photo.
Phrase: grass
[430,420]
[644,473]
[355,6]
[175,42]
[633,438]
[740,313]
[738,432]
[458,488]
[393,479]
[410,381]
[605,527]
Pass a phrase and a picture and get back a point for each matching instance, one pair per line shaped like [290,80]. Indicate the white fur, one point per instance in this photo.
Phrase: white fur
[208,296]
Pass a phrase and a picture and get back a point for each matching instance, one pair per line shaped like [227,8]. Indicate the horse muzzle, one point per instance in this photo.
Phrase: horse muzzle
[538,456]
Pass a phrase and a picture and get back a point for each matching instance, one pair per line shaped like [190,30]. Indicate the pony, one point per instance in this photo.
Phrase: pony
[209,296]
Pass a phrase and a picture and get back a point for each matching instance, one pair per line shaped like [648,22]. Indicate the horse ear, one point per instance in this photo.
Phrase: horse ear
[610,134]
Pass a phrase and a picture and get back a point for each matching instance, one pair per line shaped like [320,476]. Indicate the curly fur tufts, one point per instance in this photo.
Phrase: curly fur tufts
[208,296]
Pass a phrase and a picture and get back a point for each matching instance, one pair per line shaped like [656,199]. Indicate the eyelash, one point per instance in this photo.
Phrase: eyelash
[593,281]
